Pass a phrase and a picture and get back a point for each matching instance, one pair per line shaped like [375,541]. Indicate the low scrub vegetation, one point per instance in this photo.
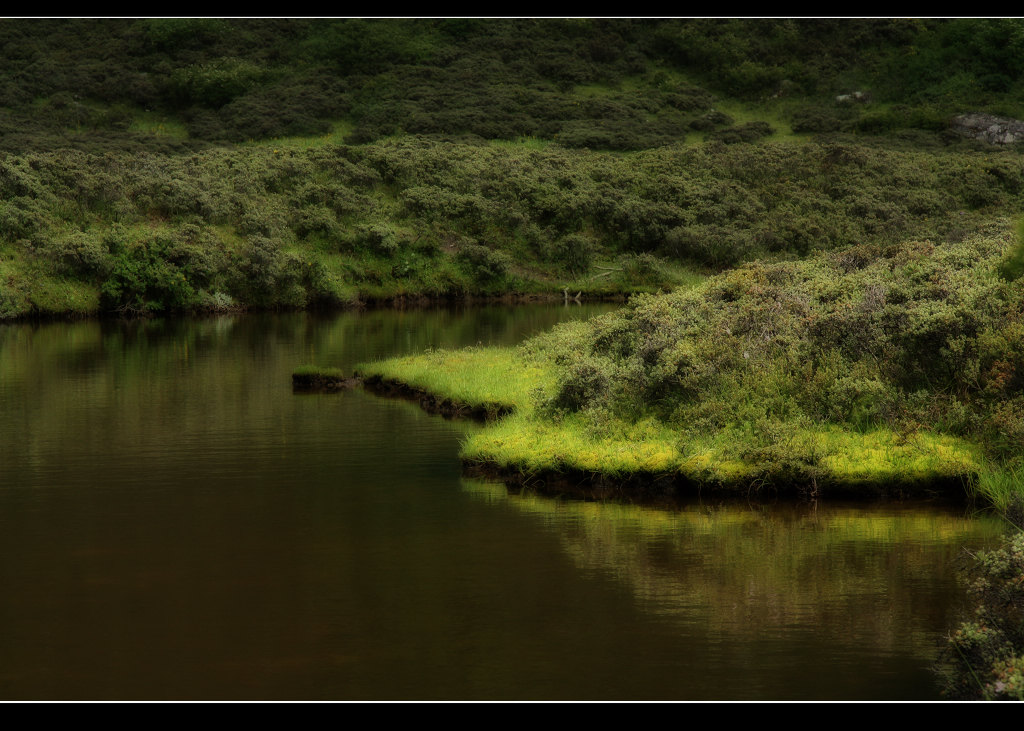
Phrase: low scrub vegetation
[865,369]
[267,227]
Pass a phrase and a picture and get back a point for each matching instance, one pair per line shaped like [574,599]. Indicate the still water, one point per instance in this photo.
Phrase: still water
[175,523]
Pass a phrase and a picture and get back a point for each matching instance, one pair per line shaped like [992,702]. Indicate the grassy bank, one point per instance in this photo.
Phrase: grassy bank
[868,370]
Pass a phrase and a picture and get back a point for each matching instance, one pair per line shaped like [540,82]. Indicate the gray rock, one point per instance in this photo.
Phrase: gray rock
[856,96]
[985,127]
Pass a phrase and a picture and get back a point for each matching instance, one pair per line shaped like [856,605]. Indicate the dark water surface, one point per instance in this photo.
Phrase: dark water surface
[175,523]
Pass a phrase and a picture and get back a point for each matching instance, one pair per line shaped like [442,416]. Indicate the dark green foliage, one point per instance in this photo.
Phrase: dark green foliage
[599,84]
[580,384]
[378,238]
[483,263]
[77,252]
[212,84]
[268,276]
[573,254]
[143,280]
[748,132]
[816,119]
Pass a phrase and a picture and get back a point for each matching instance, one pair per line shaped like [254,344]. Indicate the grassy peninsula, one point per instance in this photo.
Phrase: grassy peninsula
[870,370]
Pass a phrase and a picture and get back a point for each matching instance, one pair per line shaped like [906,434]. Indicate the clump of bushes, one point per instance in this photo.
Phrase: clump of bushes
[483,263]
[143,280]
[816,120]
[747,132]
[901,338]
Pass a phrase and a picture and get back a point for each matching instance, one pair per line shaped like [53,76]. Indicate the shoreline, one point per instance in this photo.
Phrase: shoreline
[656,487]
[397,302]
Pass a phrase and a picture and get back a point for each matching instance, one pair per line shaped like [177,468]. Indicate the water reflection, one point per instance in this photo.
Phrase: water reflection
[176,523]
[849,577]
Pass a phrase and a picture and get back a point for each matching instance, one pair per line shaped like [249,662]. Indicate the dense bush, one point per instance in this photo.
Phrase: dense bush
[144,280]
[898,338]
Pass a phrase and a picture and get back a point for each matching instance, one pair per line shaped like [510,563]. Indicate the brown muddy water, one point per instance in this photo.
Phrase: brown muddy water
[176,523]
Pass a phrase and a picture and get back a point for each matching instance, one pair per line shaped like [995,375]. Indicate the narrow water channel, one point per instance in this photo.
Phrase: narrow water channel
[176,523]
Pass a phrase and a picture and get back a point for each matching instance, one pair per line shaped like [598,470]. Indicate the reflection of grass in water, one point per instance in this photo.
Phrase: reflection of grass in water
[860,523]
[746,570]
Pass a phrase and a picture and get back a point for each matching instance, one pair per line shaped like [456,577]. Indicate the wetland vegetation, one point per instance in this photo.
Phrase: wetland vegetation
[825,280]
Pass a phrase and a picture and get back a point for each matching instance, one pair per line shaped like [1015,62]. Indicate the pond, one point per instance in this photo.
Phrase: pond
[176,523]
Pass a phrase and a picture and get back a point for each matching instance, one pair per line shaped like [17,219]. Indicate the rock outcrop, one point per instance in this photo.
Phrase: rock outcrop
[994,130]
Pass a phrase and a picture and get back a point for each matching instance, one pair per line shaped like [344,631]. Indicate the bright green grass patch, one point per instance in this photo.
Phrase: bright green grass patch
[474,376]
[529,444]
[525,142]
[158,125]
[315,371]
[340,129]
[830,454]
[1002,485]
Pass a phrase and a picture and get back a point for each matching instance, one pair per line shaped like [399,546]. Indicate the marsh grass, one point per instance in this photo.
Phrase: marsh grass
[474,377]
[1001,485]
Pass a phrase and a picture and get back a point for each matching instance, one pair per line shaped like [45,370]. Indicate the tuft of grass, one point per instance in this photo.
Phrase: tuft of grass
[1001,485]
[1013,267]
[340,129]
[315,371]
[474,377]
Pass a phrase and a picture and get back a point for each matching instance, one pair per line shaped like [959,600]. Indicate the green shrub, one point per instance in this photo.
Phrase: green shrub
[581,384]
[143,281]
[816,120]
[215,83]
[983,659]
[573,254]
[747,132]
[484,264]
